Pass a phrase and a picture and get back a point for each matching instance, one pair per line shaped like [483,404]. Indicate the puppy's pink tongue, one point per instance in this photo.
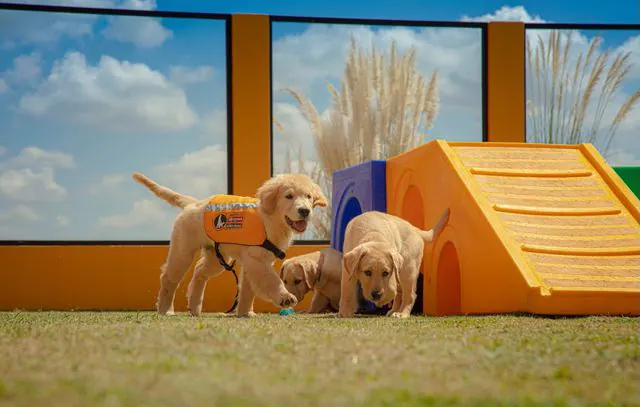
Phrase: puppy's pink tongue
[300,224]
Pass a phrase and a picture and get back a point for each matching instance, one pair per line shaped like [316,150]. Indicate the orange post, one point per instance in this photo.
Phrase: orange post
[251,87]
[506,82]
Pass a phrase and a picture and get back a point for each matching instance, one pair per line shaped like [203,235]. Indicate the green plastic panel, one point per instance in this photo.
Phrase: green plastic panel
[631,177]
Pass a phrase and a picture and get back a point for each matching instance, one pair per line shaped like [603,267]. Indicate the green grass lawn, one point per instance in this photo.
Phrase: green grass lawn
[139,359]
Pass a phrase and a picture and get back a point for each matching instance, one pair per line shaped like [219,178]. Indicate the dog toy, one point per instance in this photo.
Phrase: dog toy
[287,311]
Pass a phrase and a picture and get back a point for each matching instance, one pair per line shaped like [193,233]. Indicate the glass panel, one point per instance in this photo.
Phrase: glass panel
[377,113]
[584,86]
[85,100]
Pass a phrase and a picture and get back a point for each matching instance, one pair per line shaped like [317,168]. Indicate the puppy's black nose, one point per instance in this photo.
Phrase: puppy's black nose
[376,295]
[304,212]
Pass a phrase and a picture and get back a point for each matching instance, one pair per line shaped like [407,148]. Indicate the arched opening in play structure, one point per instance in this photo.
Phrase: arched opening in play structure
[413,212]
[448,281]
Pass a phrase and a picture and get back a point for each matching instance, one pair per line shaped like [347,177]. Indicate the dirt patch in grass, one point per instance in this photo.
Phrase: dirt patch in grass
[140,359]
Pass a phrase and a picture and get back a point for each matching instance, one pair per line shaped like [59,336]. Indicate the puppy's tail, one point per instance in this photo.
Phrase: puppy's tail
[174,198]
[429,235]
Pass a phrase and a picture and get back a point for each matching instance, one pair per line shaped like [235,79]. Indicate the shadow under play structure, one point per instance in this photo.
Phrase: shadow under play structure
[535,228]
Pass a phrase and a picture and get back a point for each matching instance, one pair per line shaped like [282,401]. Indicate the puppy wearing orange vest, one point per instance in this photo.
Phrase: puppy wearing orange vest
[252,231]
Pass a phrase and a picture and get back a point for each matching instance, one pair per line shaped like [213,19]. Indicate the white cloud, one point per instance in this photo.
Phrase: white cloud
[617,157]
[214,126]
[142,213]
[185,75]
[507,13]
[113,95]
[297,128]
[26,69]
[143,32]
[112,180]
[26,213]
[3,86]
[19,212]
[107,184]
[22,28]
[37,158]
[28,185]
[30,176]
[297,134]
[632,45]
[200,173]
[25,27]
[63,221]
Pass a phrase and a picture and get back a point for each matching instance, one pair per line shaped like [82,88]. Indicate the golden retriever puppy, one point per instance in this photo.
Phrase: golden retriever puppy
[319,271]
[283,207]
[383,252]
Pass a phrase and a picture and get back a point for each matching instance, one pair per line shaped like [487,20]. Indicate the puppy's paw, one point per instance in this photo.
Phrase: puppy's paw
[399,315]
[249,314]
[287,300]
[195,312]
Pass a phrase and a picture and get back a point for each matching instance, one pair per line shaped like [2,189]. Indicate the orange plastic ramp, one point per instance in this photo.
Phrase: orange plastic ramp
[545,229]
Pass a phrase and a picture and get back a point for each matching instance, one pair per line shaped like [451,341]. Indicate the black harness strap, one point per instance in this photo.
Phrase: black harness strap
[230,267]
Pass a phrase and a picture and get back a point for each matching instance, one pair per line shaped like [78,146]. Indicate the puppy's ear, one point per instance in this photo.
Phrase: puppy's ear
[320,261]
[318,197]
[268,195]
[396,259]
[316,280]
[352,259]
[308,271]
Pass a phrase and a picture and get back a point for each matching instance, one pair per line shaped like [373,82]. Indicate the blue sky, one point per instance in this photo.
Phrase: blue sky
[566,11]
[86,100]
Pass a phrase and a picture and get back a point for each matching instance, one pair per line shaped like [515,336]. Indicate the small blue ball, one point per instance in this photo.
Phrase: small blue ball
[287,311]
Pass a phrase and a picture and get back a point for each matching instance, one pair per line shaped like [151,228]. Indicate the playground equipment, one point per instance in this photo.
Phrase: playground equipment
[545,229]
[357,189]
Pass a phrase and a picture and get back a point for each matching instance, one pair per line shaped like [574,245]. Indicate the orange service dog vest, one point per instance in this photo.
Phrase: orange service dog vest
[235,219]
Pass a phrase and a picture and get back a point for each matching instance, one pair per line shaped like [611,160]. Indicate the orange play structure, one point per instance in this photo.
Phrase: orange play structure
[545,229]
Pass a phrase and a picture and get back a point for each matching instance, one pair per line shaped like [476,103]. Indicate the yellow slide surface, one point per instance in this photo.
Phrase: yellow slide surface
[548,229]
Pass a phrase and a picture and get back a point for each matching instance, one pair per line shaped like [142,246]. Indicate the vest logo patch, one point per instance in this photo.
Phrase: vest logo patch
[232,222]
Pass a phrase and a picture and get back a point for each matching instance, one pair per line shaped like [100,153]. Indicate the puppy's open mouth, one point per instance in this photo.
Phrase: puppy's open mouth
[298,225]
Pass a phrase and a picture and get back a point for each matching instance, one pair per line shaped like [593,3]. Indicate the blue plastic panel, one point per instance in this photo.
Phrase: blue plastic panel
[357,189]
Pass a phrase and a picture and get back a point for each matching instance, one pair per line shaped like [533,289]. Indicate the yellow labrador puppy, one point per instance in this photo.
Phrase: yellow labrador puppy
[284,204]
[319,271]
[384,253]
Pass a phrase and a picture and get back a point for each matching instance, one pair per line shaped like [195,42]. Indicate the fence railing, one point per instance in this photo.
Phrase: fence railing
[250,91]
